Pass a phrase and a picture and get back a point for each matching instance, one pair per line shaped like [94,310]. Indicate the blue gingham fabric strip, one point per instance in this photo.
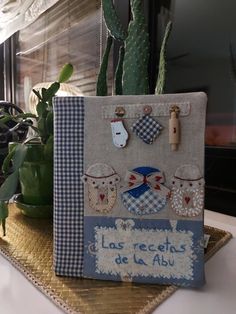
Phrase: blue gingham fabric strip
[147,129]
[68,188]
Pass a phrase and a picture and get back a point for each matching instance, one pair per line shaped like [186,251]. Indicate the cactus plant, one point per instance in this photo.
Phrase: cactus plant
[112,21]
[162,63]
[119,72]
[102,77]
[132,70]
[135,66]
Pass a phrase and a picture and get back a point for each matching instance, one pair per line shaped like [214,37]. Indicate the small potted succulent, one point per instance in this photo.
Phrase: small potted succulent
[31,163]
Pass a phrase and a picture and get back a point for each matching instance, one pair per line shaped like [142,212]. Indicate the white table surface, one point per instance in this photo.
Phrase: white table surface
[218,296]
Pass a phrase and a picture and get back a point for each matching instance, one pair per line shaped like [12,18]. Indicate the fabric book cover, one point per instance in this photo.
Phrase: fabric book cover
[129,188]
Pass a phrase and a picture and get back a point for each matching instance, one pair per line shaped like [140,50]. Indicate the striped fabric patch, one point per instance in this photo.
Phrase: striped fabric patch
[68,188]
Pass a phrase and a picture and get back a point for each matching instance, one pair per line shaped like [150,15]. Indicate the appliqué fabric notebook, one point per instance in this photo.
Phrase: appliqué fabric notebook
[129,188]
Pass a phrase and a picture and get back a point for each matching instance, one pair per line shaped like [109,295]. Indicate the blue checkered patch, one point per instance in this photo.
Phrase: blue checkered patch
[68,188]
[147,129]
[149,202]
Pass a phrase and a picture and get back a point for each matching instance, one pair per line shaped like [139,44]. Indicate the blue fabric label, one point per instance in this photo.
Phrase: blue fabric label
[153,251]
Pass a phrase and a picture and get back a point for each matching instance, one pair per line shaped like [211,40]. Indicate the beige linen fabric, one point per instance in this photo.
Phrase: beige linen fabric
[99,147]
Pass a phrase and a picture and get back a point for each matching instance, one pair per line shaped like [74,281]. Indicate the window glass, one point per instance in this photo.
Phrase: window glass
[71,31]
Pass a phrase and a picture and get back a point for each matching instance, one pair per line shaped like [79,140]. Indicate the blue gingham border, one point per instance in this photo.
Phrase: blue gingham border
[68,188]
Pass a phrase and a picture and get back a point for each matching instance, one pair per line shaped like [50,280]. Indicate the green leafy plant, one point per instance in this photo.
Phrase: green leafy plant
[44,135]
[132,69]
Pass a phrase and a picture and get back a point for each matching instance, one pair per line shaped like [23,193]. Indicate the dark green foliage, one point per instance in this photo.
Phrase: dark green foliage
[6,165]
[136,58]
[41,107]
[162,64]
[3,216]
[9,186]
[44,106]
[119,72]
[131,76]
[19,118]
[112,21]
[17,156]
[48,149]
[44,129]
[102,76]
[44,111]
[49,122]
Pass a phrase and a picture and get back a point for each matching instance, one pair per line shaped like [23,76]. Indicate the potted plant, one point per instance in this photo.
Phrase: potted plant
[31,163]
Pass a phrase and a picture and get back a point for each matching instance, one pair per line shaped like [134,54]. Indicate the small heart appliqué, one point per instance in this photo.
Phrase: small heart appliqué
[102,196]
[187,199]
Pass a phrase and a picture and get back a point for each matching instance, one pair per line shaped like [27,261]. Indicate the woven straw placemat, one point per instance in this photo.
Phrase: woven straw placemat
[28,246]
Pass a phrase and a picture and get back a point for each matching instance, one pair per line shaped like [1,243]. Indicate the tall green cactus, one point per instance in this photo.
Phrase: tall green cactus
[135,71]
[119,72]
[102,75]
[132,70]
[112,21]
[162,63]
